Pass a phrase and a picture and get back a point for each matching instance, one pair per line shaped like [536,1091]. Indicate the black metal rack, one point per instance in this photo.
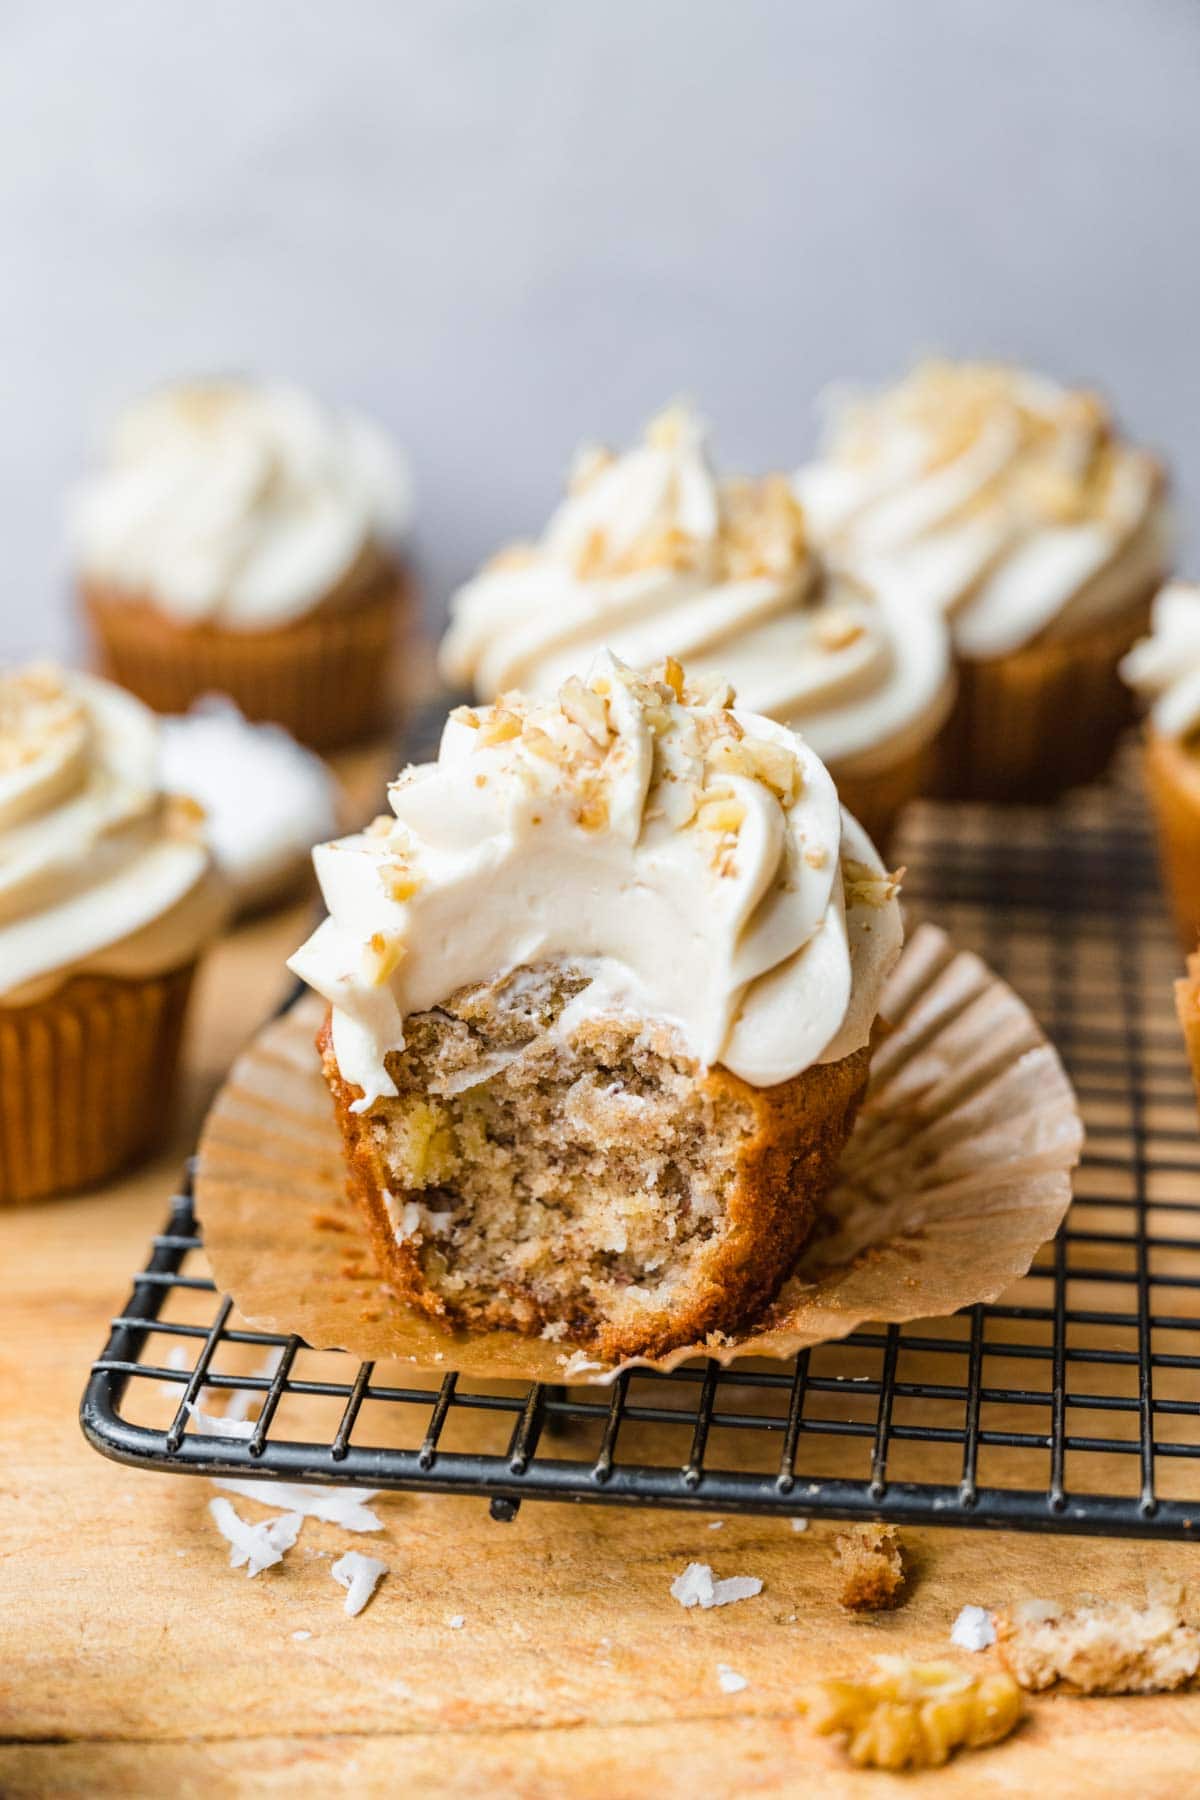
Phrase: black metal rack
[1072,1406]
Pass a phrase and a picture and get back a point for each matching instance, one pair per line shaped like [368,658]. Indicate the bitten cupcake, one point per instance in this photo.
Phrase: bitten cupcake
[1012,506]
[602,997]
[650,555]
[107,897]
[241,539]
[1164,668]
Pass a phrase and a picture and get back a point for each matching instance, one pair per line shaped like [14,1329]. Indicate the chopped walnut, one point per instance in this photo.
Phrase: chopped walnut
[398,879]
[865,886]
[1101,1647]
[465,715]
[837,629]
[871,1567]
[762,530]
[499,726]
[775,765]
[586,709]
[913,1715]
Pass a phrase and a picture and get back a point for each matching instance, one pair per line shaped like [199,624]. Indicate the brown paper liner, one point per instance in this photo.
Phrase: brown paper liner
[1187,1008]
[327,677]
[877,800]
[957,1171]
[1173,783]
[85,1079]
[1028,726]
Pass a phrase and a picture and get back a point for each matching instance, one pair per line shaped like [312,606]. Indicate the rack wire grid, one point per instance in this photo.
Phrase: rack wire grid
[1072,1405]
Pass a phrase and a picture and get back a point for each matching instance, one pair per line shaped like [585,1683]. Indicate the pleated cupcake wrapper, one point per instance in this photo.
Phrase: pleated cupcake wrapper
[85,1080]
[326,677]
[958,1170]
[1173,783]
[1046,718]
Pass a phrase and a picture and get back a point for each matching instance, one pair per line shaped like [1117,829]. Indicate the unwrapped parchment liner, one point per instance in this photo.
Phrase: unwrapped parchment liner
[957,1171]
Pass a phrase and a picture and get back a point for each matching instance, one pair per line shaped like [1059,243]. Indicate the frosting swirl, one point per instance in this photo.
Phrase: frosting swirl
[100,873]
[1165,667]
[689,856]
[1003,500]
[237,503]
[650,554]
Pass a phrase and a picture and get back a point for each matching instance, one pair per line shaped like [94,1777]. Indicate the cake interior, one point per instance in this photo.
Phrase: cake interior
[553,1178]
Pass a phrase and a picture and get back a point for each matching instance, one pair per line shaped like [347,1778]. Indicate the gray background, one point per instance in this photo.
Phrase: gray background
[505,224]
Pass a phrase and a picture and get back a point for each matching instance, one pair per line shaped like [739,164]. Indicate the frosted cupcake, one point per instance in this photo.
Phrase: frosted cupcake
[1012,506]
[1164,669]
[602,995]
[650,554]
[107,898]
[240,539]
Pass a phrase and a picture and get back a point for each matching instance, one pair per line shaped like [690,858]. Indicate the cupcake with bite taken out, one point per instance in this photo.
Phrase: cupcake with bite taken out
[107,898]
[1013,507]
[652,554]
[241,539]
[1164,669]
[602,995]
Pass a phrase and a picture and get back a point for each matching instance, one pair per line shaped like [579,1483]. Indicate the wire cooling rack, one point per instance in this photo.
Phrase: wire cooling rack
[1073,1405]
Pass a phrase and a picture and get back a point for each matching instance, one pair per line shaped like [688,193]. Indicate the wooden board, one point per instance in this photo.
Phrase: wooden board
[134,1661]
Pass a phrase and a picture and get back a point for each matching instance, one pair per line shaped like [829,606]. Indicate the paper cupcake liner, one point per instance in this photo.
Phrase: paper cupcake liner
[957,1171]
[85,1079]
[327,677]
[1027,727]
[1173,783]
[876,800]
[1187,1009]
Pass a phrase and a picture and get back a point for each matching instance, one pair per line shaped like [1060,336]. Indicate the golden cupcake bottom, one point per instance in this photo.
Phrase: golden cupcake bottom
[1028,726]
[1173,782]
[86,1076]
[877,797]
[326,677]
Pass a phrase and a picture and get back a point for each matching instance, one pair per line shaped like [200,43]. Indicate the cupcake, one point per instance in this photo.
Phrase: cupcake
[651,555]
[602,996]
[1011,506]
[107,897]
[239,540]
[1164,668]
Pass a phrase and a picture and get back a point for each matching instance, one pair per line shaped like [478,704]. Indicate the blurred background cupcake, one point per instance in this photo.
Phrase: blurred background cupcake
[107,898]
[240,538]
[1164,668]
[651,555]
[1012,506]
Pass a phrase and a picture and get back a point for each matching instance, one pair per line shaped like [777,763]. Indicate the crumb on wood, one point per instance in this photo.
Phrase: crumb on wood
[323,1220]
[871,1566]
[1102,1646]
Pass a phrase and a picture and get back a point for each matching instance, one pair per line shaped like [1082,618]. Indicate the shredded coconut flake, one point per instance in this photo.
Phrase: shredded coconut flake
[217,1425]
[259,1546]
[336,1506]
[456,1621]
[731,1682]
[360,1575]
[301,1637]
[696,1587]
[973,1629]
[799,1524]
[716,1524]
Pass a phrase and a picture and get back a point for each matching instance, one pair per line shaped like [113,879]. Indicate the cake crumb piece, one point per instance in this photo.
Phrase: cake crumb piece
[716,1524]
[697,1587]
[908,1715]
[871,1567]
[1101,1646]
[973,1629]
[731,1682]
[360,1575]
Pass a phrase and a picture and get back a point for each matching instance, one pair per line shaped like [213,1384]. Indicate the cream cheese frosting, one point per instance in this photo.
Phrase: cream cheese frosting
[993,495]
[1165,666]
[100,872]
[237,503]
[689,856]
[650,554]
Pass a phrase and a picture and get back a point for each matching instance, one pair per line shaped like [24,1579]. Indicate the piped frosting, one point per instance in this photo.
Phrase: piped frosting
[238,503]
[100,872]
[650,554]
[995,496]
[691,857]
[1165,666]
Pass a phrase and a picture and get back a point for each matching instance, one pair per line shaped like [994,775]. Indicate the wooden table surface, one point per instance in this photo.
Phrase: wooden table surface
[134,1661]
